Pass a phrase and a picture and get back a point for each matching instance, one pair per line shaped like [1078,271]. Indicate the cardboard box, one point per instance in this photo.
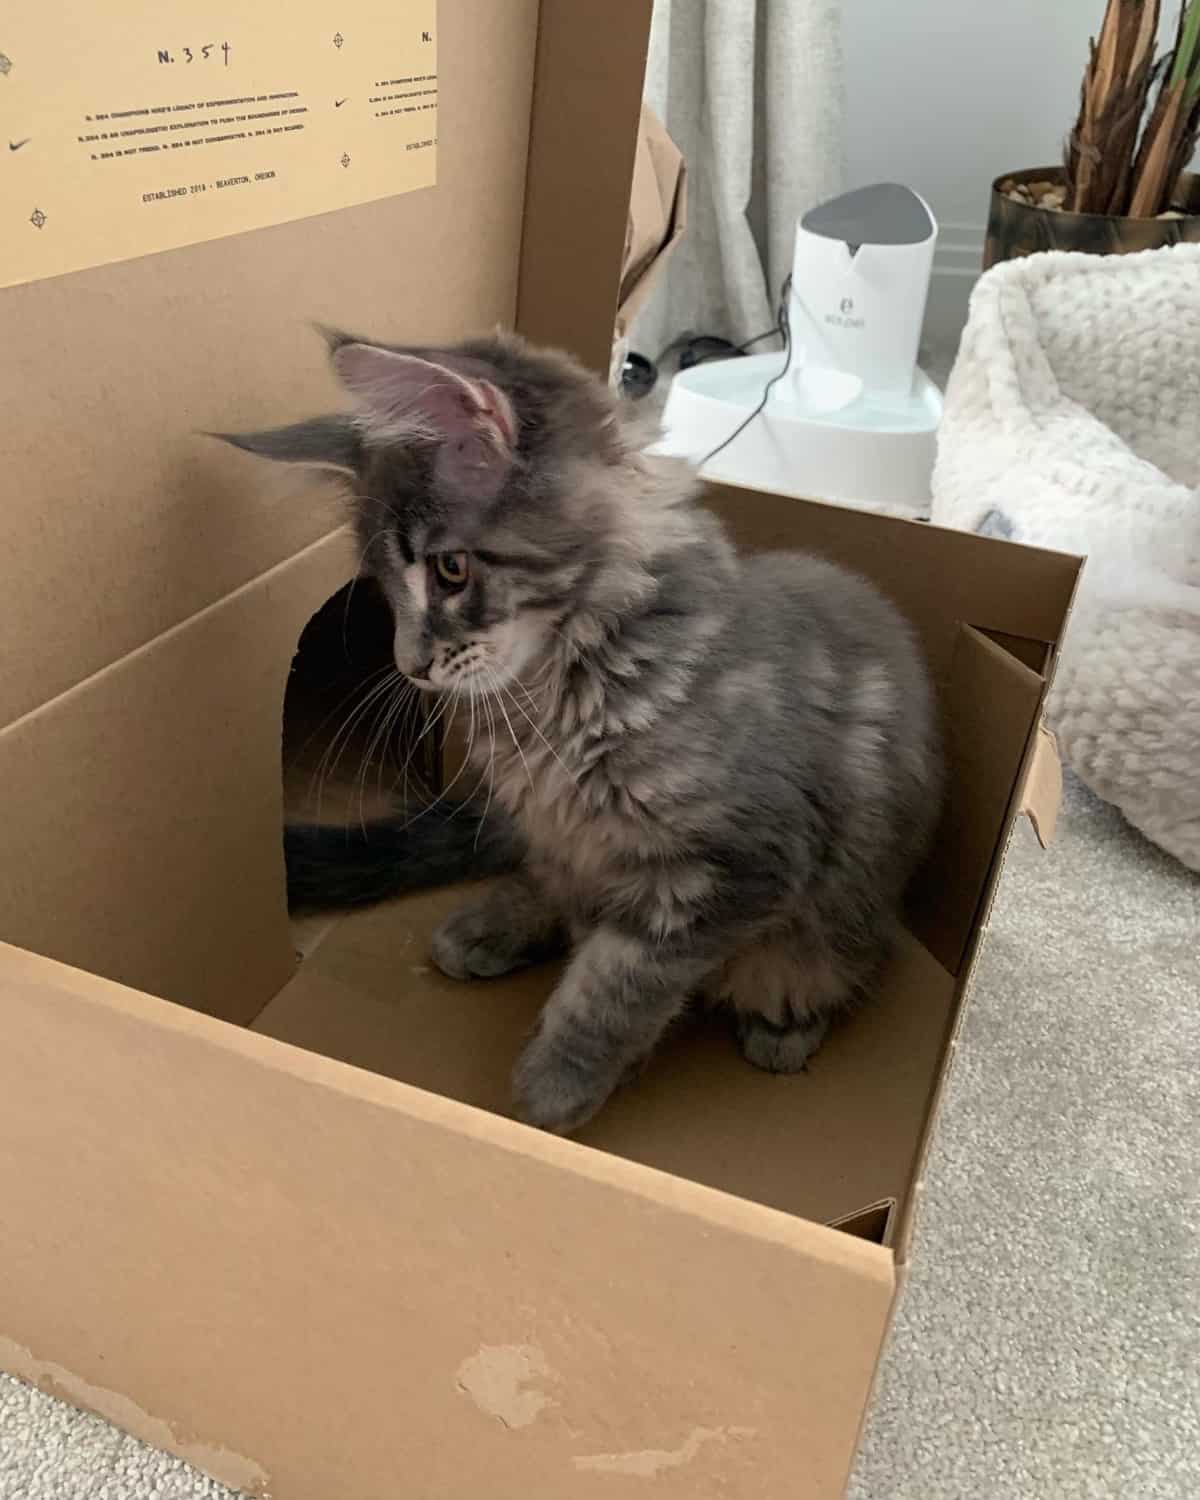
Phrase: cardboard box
[279,1226]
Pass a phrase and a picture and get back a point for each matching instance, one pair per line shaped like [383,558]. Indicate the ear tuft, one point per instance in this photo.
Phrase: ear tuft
[334,337]
[331,443]
[408,398]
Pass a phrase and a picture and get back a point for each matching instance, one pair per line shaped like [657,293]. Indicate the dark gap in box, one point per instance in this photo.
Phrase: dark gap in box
[356,739]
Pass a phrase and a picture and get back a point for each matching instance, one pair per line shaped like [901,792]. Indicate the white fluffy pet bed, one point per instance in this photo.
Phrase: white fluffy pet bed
[1072,421]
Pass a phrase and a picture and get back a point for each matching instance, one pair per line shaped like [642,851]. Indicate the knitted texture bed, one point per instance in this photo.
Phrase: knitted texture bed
[1072,421]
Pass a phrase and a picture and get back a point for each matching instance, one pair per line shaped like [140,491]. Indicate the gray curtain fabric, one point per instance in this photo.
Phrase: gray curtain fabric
[752,93]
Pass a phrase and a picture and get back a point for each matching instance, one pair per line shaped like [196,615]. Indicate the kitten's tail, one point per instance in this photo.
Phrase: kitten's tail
[333,868]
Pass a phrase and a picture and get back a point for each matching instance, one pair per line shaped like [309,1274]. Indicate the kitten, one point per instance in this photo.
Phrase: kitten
[711,777]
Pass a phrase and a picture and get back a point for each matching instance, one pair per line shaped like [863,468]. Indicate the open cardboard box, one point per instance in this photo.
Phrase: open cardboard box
[281,1226]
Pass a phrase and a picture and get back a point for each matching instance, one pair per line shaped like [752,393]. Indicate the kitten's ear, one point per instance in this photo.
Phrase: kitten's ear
[407,397]
[331,443]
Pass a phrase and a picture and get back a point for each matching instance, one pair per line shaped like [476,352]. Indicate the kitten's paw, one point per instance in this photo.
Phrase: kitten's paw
[554,1092]
[780,1049]
[470,945]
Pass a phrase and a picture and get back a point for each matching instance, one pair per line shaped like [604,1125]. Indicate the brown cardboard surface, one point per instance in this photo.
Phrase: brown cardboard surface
[588,88]
[822,1144]
[317,1283]
[940,578]
[991,704]
[140,836]
[114,509]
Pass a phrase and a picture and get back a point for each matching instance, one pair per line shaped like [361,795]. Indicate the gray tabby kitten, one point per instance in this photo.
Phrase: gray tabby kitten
[713,775]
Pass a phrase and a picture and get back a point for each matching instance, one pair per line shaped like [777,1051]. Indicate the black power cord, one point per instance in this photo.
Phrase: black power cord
[692,355]
[639,375]
[785,329]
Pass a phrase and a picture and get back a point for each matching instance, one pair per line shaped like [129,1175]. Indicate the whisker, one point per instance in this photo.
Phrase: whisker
[459,773]
[516,704]
[536,703]
[445,792]
[384,724]
[336,748]
[378,727]
[438,711]
[470,739]
[358,573]
[358,687]
[491,767]
[497,688]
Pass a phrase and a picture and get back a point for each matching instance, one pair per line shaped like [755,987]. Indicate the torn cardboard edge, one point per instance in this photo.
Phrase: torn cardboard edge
[657,221]
[1042,790]
[227,1468]
[657,216]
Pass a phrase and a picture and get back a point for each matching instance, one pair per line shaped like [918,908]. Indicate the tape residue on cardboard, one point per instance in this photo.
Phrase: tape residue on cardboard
[503,1381]
[228,1468]
[647,1463]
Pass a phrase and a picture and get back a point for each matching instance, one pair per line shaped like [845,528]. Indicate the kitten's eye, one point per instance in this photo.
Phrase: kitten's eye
[452,569]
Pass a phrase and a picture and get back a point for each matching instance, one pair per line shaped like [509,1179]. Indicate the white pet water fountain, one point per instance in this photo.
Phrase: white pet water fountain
[848,415]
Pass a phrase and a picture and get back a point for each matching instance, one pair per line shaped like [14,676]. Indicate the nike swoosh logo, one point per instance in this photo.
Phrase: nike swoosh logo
[16,145]
[337,103]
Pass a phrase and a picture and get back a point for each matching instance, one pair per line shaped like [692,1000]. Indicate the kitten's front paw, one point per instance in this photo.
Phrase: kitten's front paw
[780,1049]
[470,944]
[554,1091]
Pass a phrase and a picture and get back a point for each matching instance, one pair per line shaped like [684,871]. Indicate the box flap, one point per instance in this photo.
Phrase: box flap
[142,809]
[588,88]
[939,578]
[219,1240]
[990,707]
[110,494]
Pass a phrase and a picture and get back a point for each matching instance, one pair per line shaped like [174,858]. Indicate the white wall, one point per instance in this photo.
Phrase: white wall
[945,95]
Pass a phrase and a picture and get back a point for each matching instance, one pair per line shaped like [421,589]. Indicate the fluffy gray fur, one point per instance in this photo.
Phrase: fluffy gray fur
[722,770]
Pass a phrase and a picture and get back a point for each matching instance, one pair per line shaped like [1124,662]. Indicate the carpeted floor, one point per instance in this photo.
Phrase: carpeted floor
[1048,1344]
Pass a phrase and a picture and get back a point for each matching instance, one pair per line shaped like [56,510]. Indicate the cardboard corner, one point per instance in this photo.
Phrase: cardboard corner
[876,1223]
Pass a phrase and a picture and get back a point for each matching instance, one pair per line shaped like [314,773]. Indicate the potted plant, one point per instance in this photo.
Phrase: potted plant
[1122,184]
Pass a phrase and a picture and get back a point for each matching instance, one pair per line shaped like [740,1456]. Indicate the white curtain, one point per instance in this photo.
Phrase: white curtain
[752,93]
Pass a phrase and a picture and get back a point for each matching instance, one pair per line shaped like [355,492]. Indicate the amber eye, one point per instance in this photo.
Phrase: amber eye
[452,569]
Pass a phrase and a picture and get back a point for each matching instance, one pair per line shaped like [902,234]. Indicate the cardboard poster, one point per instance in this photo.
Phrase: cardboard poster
[130,127]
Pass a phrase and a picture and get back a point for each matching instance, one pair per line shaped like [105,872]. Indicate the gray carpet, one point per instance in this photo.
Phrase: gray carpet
[1048,1342]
